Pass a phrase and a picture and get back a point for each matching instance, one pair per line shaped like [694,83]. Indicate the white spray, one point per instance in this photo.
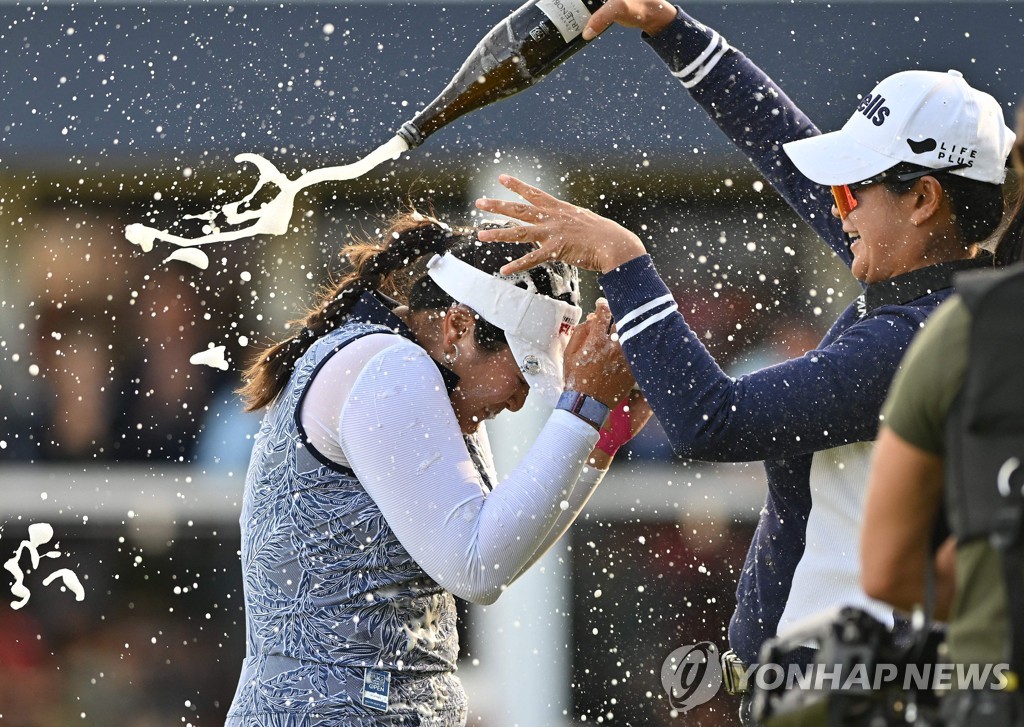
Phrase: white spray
[271,218]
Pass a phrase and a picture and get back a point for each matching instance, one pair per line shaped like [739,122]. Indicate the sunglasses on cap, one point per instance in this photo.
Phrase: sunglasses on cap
[846,202]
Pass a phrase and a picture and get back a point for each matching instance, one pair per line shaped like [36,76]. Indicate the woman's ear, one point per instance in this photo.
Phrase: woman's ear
[459,321]
[928,199]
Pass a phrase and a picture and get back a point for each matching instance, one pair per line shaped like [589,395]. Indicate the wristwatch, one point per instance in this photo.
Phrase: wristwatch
[585,407]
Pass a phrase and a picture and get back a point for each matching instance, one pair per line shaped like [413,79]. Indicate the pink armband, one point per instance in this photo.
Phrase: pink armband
[617,430]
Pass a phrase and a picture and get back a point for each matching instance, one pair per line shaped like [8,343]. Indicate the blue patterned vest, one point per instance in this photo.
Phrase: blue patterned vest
[330,593]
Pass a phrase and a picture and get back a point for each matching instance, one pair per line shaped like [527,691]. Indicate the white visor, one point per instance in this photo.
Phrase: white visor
[537,327]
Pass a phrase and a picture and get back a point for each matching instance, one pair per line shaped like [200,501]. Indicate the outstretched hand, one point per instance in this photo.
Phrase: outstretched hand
[561,230]
[651,16]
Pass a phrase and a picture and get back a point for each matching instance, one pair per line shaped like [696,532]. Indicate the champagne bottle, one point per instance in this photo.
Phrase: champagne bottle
[515,54]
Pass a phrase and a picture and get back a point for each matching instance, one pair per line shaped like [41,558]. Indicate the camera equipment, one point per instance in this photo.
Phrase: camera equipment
[857,676]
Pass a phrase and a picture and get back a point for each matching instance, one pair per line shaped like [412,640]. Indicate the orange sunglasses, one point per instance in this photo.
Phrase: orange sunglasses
[846,202]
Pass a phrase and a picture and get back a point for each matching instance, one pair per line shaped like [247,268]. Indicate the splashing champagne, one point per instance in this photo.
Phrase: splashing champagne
[515,54]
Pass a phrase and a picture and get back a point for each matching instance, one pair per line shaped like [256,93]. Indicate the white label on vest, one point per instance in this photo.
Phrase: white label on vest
[376,689]
[569,16]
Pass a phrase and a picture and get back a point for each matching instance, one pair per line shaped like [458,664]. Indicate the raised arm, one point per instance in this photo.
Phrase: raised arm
[739,97]
[625,422]
[796,407]
[400,436]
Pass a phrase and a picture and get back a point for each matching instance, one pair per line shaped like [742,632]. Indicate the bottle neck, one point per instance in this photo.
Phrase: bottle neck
[411,134]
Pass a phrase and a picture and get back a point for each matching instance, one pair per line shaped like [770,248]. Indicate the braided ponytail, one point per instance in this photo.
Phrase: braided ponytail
[410,238]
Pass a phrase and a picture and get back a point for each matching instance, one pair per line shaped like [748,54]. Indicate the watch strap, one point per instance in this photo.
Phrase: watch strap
[585,407]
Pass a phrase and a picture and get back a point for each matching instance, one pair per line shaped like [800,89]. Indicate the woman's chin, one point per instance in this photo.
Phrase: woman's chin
[475,420]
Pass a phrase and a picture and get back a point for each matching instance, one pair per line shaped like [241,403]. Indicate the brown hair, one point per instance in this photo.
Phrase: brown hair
[1017,152]
[396,266]
[1010,248]
[977,206]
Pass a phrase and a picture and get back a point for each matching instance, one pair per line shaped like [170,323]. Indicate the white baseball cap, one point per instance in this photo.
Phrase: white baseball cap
[930,119]
[536,326]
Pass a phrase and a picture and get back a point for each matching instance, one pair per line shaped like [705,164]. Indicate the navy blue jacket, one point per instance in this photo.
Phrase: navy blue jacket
[819,405]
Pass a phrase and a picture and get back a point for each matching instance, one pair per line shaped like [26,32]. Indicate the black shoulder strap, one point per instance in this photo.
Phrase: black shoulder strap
[988,474]
[297,414]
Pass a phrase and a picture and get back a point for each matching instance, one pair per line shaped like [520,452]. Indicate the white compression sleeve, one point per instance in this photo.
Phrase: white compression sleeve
[399,434]
[329,389]
[585,487]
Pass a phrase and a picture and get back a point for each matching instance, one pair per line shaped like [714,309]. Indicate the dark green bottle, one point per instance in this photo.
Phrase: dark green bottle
[518,52]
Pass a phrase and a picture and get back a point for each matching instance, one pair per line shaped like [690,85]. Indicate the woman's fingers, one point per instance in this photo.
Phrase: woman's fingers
[529,260]
[563,231]
[531,194]
[602,19]
[515,210]
[538,207]
[603,314]
[522,233]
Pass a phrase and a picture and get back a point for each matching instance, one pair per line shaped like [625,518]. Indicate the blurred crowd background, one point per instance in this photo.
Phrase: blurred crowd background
[101,380]
[120,115]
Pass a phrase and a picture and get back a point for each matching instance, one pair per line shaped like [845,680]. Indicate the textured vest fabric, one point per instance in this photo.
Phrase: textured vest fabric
[985,428]
[329,590]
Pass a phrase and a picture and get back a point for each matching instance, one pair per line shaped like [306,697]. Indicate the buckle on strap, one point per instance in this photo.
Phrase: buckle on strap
[734,673]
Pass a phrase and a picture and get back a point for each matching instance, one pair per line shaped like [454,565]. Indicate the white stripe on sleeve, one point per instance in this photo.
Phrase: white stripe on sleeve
[707,68]
[696,70]
[696,63]
[637,312]
[647,324]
